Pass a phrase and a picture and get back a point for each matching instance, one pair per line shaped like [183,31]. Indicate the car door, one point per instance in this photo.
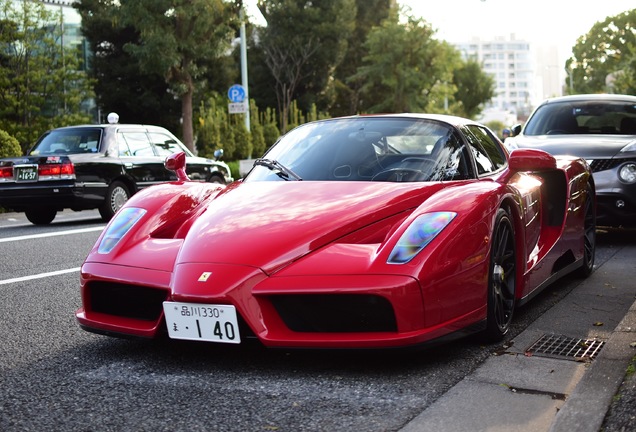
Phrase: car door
[139,159]
[165,145]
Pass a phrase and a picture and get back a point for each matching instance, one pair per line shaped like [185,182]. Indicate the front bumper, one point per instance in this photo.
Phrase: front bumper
[318,311]
[616,200]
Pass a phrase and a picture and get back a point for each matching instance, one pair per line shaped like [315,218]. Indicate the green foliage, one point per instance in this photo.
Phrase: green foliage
[219,130]
[120,84]
[41,84]
[605,56]
[234,169]
[624,81]
[270,127]
[403,70]
[180,39]
[9,146]
[370,13]
[496,126]
[301,62]
[474,88]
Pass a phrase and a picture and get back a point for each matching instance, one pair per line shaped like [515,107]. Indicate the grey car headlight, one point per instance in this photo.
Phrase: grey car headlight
[627,173]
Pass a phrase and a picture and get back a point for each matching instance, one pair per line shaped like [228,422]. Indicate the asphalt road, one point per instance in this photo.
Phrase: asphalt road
[56,377]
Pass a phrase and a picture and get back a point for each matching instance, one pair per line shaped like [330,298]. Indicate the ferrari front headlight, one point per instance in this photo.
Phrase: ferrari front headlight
[119,226]
[420,233]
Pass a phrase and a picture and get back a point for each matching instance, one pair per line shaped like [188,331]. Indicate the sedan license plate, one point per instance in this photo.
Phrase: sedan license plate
[202,322]
[25,173]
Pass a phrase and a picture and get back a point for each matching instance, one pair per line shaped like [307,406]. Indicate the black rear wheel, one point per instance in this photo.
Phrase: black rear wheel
[40,215]
[116,197]
[501,278]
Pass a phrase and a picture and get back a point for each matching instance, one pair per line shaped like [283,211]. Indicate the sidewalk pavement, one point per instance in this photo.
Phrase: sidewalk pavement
[547,387]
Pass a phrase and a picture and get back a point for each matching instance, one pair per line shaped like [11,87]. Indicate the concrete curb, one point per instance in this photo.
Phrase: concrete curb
[585,409]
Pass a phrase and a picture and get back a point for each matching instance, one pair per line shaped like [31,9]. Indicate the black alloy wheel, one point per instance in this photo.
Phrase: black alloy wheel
[589,234]
[116,197]
[40,215]
[501,278]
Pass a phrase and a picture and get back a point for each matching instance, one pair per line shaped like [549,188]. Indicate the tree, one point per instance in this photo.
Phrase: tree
[9,146]
[120,84]
[302,45]
[474,88]
[41,81]
[624,81]
[370,13]
[179,39]
[404,69]
[604,52]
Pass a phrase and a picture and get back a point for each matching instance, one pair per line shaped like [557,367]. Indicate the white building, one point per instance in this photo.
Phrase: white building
[523,75]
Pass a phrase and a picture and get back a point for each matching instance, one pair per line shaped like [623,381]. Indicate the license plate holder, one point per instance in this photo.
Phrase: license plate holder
[202,322]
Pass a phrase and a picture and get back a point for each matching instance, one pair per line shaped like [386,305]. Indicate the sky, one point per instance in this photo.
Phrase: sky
[545,22]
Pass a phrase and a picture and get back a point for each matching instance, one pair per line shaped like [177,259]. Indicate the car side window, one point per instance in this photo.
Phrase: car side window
[164,144]
[136,144]
[488,154]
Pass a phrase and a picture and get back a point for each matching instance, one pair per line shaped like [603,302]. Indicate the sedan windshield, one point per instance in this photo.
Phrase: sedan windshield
[583,117]
[366,149]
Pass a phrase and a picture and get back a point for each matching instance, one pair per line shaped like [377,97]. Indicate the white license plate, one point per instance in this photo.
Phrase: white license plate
[202,322]
[26,173]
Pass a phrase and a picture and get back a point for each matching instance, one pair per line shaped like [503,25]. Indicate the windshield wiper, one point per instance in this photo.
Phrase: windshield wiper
[279,169]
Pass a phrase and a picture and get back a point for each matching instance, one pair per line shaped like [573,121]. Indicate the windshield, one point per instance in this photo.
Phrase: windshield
[583,117]
[366,149]
[69,141]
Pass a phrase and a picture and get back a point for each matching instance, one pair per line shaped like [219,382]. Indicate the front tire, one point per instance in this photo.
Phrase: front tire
[40,215]
[589,235]
[501,278]
[116,197]
[217,179]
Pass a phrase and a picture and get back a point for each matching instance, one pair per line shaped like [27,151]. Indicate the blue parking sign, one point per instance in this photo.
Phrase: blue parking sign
[236,93]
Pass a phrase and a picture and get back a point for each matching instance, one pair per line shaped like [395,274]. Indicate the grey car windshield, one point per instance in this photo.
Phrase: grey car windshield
[583,117]
[366,149]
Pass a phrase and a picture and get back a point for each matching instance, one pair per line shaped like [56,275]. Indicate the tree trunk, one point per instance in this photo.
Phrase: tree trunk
[186,116]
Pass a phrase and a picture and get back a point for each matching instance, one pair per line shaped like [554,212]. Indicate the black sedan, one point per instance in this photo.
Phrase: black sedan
[600,128]
[95,167]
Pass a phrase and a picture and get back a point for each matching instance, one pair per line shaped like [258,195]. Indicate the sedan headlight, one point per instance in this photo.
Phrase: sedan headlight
[421,232]
[627,173]
[123,222]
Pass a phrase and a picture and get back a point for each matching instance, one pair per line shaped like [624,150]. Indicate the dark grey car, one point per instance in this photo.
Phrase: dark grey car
[600,128]
[95,167]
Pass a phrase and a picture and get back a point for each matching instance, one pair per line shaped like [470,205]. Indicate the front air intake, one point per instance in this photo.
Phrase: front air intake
[335,313]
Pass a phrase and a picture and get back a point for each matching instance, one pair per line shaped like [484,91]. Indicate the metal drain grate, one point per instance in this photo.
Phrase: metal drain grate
[565,347]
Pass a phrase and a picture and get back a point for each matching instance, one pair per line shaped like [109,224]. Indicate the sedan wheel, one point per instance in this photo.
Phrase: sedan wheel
[40,215]
[501,279]
[116,197]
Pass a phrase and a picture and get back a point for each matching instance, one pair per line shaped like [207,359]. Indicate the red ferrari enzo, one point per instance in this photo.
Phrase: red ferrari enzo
[359,232]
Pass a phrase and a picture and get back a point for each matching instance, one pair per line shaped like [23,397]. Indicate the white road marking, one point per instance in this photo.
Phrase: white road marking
[39,276]
[51,234]
[42,235]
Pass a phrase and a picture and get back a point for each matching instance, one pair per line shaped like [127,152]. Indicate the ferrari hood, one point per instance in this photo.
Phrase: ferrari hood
[585,146]
[269,224]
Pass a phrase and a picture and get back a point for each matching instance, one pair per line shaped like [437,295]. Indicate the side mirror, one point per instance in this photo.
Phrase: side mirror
[218,154]
[516,130]
[526,159]
[177,162]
